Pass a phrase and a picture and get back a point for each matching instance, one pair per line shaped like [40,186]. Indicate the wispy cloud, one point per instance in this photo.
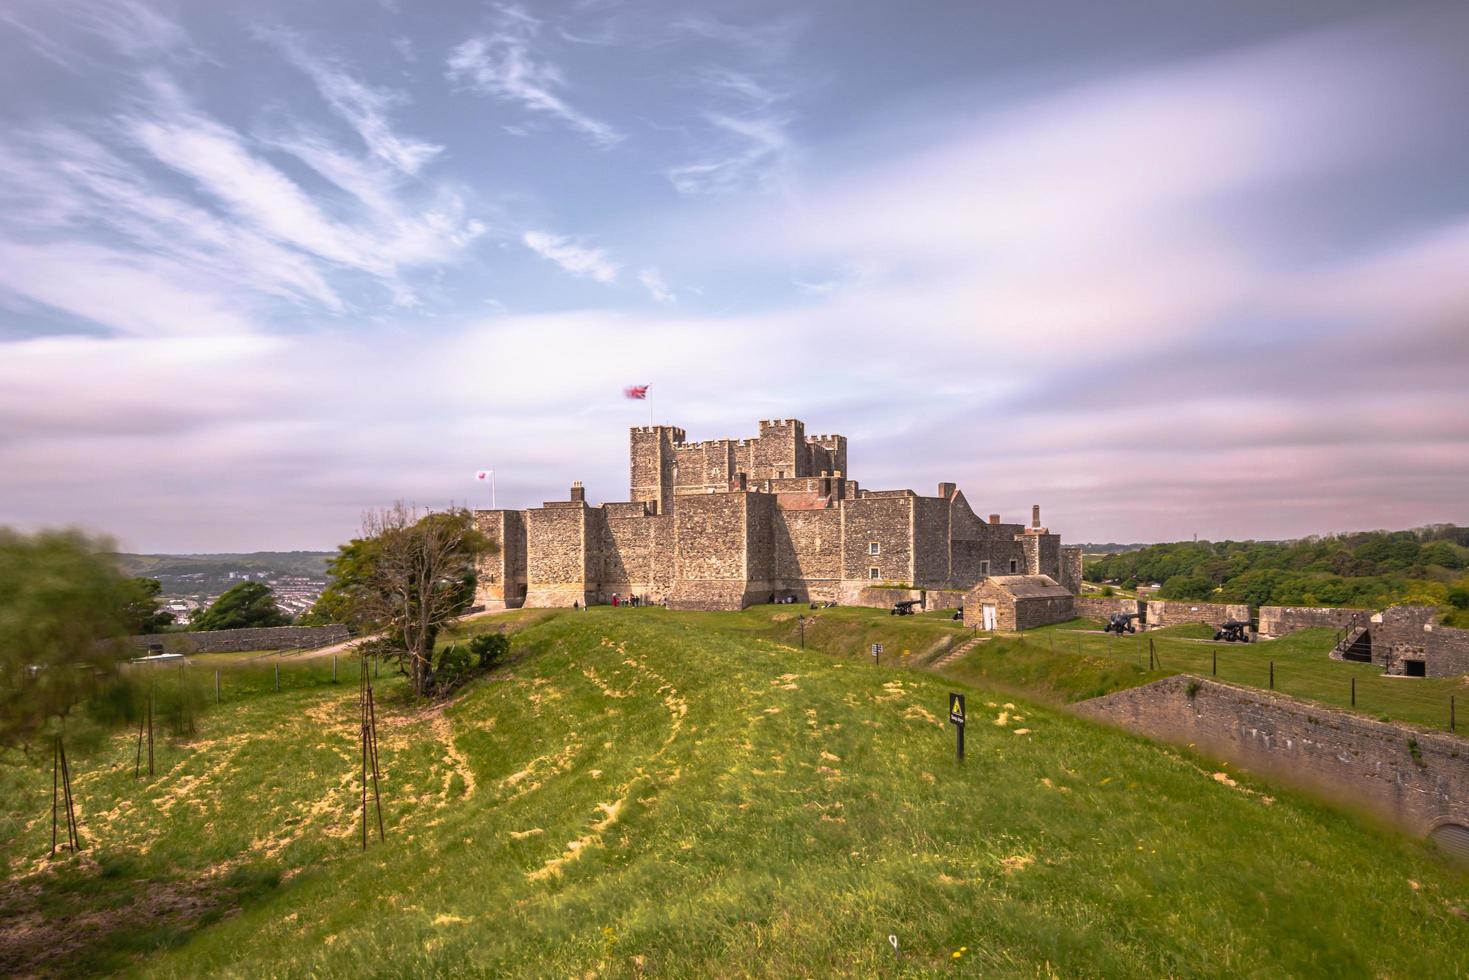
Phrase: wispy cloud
[505,64]
[755,153]
[656,286]
[576,258]
[364,107]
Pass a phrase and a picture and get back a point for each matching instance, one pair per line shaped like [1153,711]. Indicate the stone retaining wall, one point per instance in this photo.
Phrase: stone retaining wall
[1282,620]
[1415,778]
[1174,612]
[235,641]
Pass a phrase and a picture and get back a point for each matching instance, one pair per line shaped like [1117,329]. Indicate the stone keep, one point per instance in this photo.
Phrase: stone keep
[726,523]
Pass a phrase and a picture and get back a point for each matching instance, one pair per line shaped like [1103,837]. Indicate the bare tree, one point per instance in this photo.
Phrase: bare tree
[419,575]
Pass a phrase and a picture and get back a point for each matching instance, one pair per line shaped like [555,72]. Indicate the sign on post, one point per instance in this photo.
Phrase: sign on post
[876,652]
[956,718]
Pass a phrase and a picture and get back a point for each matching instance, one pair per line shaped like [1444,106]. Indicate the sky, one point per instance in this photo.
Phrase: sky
[1164,269]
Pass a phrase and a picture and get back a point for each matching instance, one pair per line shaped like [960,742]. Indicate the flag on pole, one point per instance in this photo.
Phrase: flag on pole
[639,392]
[482,474]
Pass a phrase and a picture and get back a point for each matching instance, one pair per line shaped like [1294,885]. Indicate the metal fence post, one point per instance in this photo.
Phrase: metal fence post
[277,677]
[1272,675]
[216,686]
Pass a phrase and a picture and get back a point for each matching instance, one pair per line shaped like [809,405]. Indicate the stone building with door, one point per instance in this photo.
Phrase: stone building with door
[727,523]
[1017,602]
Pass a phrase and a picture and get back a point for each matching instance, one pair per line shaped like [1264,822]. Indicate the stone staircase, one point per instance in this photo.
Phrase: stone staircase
[957,652]
[1345,647]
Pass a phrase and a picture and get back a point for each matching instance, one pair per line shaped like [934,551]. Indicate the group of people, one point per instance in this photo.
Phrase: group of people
[621,600]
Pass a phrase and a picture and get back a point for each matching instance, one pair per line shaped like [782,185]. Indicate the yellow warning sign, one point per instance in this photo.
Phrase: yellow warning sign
[956,708]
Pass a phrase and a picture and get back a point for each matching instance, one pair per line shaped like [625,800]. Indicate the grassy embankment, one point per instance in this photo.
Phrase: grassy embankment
[649,792]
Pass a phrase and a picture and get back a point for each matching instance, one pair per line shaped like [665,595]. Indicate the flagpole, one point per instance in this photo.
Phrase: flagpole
[494,504]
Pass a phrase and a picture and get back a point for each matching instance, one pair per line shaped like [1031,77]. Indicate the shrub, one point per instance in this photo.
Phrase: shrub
[454,666]
[1108,592]
[490,648]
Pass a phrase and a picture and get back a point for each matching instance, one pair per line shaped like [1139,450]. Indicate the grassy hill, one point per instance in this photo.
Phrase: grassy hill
[646,792]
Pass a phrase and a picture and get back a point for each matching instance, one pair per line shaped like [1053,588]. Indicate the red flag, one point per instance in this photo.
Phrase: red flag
[636,391]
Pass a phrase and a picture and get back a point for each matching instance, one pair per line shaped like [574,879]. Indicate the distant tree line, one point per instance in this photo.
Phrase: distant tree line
[1370,568]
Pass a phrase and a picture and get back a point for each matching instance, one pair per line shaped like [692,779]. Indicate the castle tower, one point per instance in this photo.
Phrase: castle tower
[780,451]
[651,456]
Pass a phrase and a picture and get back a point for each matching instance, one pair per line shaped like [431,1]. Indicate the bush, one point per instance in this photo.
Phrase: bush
[455,664]
[491,648]
[1108,592]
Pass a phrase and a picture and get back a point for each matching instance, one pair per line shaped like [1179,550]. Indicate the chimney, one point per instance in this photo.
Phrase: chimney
[946,490]
[578,492]
[994,518]
[1035,515]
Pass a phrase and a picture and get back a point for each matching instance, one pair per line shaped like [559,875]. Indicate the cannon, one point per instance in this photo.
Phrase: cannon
[1233,631]
[959,615]
[1121,623]
[904,608]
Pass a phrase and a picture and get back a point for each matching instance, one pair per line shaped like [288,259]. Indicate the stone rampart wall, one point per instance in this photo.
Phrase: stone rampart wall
[1283,620]
[1173,612]
[1418,779]
[236,641]
[1097,607]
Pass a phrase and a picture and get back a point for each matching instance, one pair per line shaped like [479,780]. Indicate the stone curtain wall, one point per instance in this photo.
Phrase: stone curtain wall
[1093,607]
[1417,779]
[236,641]
[1172,612]
[1283,620]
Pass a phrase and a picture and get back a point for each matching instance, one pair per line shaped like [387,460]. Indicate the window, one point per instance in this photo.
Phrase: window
[872,573]
[984,568]
[872,548]
[1014,566]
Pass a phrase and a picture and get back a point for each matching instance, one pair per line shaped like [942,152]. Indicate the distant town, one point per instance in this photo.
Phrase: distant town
[191,583]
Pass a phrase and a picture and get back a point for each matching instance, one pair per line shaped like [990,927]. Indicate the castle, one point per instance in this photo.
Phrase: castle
[727,523]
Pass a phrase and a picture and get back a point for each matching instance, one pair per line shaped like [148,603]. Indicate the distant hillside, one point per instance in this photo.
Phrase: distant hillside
[1367,568]
[1110,548]
[187,574]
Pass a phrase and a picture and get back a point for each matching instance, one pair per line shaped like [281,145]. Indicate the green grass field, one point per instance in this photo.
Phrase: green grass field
[1072,661]
[644,792]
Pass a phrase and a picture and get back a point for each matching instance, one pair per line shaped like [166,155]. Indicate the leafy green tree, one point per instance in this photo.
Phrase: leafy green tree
[1186,587]
[342,601]
[241,607]
[409,574]
[144,615]
[64,608]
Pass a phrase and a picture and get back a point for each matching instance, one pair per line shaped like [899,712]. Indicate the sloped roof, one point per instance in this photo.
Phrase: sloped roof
[1026,586]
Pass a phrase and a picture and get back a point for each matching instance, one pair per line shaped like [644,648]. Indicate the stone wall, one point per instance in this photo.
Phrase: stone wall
[556,555]
[1071,568]
[500,573]
[886,521]
[710,551]
[1173,612]
[1283,620]
[808,550]
[1418,779]
[1409,633]
[1096,607]
[236,641]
